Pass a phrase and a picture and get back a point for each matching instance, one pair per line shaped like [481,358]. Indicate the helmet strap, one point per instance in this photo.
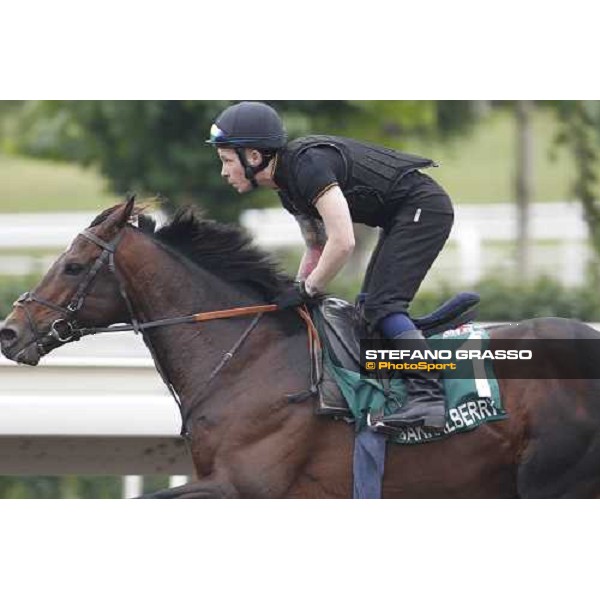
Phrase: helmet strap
[249,171]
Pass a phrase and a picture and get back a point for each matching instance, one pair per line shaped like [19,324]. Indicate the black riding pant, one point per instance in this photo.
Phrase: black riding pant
[406,249]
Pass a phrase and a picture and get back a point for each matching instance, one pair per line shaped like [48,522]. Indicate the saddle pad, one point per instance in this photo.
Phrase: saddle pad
[472,400]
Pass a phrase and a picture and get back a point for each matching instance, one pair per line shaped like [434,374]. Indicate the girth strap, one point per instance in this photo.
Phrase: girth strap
[316,359]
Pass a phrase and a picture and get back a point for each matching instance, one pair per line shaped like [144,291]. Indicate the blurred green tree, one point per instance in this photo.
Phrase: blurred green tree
[580,133]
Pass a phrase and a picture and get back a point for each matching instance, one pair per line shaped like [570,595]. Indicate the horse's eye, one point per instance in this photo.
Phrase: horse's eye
[73,268]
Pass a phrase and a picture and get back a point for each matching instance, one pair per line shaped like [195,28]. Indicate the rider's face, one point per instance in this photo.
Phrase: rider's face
[232,170]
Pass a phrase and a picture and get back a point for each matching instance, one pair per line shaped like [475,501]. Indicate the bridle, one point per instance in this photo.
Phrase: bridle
[72,331]
[66,329]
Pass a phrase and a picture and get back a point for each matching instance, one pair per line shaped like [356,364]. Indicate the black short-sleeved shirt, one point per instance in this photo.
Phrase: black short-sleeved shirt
[317,169]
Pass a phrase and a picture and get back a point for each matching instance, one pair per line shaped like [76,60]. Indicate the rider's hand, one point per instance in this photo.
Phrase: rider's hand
[296,295]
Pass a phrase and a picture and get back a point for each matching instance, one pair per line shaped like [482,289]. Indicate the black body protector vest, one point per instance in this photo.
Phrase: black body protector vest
[371,174]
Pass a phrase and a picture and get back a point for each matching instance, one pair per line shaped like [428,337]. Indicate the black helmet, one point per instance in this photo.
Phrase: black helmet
[248,125]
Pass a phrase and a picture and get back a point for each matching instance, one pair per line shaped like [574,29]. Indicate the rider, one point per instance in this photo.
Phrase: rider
[329,182]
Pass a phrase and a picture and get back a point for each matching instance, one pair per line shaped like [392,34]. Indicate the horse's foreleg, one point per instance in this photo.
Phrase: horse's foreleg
[197,489]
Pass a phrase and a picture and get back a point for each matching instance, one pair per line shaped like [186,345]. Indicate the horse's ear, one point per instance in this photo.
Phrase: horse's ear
[126,215]
[120,216]
[123,214]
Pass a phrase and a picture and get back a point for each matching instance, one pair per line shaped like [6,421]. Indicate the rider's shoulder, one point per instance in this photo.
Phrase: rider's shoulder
[311,150]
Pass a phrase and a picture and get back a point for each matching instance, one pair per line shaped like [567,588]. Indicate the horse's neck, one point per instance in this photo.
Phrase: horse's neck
[162,286]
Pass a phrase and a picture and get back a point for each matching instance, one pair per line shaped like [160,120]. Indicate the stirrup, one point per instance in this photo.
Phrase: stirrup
[377,426]
[380,427]
[375,423]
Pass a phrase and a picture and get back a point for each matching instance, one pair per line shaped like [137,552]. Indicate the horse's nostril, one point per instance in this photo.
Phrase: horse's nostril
[8,336]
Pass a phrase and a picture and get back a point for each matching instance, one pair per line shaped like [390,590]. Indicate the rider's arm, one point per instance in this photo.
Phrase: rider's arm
[315,237]
[333,208]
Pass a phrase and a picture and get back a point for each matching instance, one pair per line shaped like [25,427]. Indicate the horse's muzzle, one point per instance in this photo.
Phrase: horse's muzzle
[10,335]
[14,347]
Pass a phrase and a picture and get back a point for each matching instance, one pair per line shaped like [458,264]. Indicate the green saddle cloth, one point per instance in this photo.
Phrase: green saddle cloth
[471,400]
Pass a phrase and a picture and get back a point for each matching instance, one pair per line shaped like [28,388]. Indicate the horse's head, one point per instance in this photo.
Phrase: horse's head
[80,289]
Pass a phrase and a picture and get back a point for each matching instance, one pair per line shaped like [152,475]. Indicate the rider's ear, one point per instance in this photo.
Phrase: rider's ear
[253,157]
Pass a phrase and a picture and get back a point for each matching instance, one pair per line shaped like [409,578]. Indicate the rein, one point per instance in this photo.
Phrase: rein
[195,318]
[66,329]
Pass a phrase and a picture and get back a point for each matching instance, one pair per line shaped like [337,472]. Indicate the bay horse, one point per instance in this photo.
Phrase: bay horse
[233,377]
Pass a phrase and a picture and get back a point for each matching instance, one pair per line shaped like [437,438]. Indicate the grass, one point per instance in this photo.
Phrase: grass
[30,185]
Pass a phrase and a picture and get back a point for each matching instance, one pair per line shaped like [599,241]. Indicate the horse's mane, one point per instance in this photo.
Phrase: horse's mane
[225,250]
